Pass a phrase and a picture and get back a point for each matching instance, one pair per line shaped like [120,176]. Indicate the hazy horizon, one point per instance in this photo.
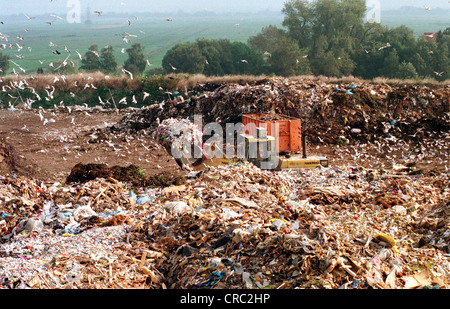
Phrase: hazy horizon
[37,7]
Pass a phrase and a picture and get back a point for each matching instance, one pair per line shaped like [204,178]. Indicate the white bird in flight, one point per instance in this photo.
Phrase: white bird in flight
[385,46]
[127,72]
[28,17]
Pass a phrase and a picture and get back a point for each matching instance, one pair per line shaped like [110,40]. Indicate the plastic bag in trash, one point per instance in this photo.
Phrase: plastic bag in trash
[177,207]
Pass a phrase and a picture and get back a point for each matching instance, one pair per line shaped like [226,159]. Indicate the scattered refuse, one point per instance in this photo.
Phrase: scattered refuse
[356,225]
[288,229]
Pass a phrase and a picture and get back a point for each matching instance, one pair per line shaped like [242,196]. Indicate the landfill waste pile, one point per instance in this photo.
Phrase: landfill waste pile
[229,227]
[376,218]
[330,113]
[174,134]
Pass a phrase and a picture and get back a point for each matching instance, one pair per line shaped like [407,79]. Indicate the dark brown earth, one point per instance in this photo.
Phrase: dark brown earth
[49,152]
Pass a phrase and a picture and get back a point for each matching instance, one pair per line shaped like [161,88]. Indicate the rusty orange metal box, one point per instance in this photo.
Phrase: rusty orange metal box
[285,129]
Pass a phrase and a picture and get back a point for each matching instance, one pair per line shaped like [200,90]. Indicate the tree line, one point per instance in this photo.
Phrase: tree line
[322,37]
[94,60]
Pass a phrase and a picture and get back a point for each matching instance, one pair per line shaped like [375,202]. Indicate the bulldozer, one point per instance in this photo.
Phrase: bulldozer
[260,151]
[263,150]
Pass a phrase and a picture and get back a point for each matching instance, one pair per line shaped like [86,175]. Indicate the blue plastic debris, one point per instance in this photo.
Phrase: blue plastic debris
[139,199]
[213,278]
[143,200]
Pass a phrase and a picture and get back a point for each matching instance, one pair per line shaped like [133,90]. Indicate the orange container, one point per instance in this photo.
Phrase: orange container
[285,129]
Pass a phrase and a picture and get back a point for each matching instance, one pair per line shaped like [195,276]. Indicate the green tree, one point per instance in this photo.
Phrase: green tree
[299,19]
[108,62]
[390,65]
[91,60]
[217,55]
[287,59]
[441,56]
[406,70]
[268,41]
[4,63]
[136,60]
[154,71]
[403,40]
[334,37]
[330,30]
[367,57]
[246,60]
[424,57]
[184,58]
[283,55]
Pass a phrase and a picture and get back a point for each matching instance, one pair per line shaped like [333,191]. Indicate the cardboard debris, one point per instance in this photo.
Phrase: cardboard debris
[178,240]
[374,221]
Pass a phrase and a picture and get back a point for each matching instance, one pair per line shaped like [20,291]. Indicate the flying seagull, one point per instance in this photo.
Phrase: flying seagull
[127,72]
[28,17]
[385,46]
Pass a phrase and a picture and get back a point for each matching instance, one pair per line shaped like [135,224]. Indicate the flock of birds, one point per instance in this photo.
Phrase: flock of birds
[13,87]
[19,46]
[17,69]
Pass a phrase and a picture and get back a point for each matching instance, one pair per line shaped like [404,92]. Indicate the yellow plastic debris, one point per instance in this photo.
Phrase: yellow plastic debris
[386,238]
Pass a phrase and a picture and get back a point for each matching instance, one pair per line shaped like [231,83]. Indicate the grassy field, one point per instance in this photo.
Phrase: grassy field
[420,21]
[154,33]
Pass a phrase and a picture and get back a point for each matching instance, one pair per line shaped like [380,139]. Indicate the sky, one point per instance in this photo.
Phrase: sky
[34,7]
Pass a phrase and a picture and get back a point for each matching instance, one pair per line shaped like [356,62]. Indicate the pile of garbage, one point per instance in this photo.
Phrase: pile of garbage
[181,138]
[355,225]
[233,226]
[329,112]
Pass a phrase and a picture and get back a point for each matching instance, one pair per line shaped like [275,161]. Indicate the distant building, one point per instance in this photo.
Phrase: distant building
[430,36]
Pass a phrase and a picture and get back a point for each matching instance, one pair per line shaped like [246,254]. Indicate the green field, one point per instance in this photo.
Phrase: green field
[154,33]
[420,21]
